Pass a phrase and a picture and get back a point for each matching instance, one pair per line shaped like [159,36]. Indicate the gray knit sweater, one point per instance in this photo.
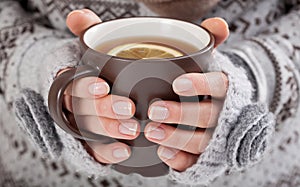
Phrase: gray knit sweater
[254,144]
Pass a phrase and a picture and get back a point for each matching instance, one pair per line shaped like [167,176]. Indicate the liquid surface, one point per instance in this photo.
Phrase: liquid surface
[145,51]
[146,48]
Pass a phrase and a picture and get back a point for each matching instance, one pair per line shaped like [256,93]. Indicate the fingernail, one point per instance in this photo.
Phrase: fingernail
[167,153]
[75,11]
[156,133]
[100,88]
[122,108]
[121,153]
[158,113]
[182,85]
[128,128]
[87,11]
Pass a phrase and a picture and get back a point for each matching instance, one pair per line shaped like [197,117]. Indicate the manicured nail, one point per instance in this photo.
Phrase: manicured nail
[122,108]
[121,153]
[76,11]
[128,128]
[158,113]
[182,85]
[167,153]
[99,88]
[156,133]
[88,13]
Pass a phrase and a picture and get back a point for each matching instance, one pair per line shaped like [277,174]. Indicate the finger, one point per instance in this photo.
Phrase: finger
[203,114]
[193,142]
[176,159]
[218,27]
[80,20]
[88,87]
[111,106]
[108,153]
[119,129]
[214,84]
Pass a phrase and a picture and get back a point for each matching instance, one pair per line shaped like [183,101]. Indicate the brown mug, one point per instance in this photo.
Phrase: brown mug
[142,80]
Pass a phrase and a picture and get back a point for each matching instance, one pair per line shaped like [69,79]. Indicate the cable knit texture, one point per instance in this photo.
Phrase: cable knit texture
[184,8]
[241,136]
[32,113]
[65,56]
[247,142]
[30,109]
[34,46]
[33,116]
[238,141]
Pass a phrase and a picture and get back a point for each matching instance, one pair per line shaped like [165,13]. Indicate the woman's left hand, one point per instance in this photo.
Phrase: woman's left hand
[179,148]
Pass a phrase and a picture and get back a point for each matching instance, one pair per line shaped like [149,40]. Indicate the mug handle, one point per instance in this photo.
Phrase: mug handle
[55,102]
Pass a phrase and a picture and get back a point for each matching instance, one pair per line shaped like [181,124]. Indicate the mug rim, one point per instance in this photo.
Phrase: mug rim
[205,49]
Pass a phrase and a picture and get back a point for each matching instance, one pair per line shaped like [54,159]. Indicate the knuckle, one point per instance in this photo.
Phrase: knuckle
[99,158]
[225,81]
[204,146]
[176,110]
[91,150]
[199,81]
[172,139]
[193,146]
[216,108]
[180,166]
[208,114]
[200,148]
[204,81]
[204,140]
[107,127]
[101,107]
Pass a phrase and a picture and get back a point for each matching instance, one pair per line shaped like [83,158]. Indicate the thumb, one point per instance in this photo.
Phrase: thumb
[218,27]
[80,20]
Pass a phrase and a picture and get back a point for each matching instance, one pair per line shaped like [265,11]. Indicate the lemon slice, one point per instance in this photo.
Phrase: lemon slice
[144,51]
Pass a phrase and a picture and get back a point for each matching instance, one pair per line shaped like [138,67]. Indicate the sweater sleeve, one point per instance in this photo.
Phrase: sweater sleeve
[31,55]
[274,56]
[190,10]
[263,92]
[244,127]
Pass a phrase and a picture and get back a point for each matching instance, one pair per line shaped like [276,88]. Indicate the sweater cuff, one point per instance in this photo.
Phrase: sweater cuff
[241,136]
[65,56]
[33,117]
[31,107]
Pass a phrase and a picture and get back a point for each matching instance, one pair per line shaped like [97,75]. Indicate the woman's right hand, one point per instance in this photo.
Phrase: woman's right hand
[88,101]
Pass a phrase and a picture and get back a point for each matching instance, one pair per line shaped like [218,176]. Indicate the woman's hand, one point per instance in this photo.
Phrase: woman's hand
[111,115]
[87,99]
[178,148]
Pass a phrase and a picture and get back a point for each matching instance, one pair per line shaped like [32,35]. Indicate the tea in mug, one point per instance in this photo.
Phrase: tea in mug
[146,48]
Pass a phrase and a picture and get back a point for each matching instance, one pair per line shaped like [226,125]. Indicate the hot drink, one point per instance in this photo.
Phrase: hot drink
[146,48]
[139,58]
